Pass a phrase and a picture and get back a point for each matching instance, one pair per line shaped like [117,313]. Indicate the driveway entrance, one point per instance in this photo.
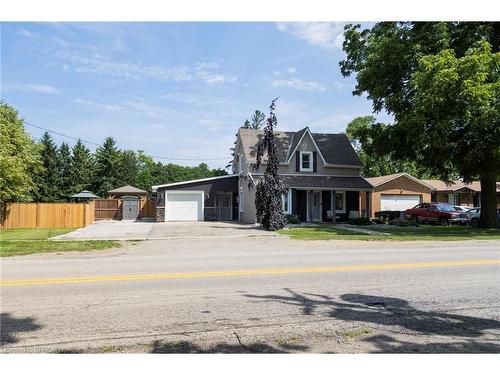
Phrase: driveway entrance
[143,230]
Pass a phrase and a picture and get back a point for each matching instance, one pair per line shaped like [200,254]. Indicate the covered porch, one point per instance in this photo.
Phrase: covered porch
[328,199]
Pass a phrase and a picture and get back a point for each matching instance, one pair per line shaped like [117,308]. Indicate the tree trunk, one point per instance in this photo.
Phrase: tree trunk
[488,217]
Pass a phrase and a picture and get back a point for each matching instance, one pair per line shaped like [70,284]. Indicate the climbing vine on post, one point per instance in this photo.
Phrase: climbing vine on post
[269,189]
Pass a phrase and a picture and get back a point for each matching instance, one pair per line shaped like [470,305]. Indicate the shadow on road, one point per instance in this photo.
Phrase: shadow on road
[10,327]
[162,347]
[391,312]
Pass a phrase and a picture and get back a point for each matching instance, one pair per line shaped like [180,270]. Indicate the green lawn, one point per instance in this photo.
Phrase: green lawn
[31,234]
[31,241]
[422,233]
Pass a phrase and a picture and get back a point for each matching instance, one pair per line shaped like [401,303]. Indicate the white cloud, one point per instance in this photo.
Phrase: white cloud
[27,34]
[298,84]
[291,70]
[98,105]
[34,88]
[324,34]
[98,63]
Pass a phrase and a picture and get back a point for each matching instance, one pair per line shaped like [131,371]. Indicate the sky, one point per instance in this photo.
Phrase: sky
[177,90]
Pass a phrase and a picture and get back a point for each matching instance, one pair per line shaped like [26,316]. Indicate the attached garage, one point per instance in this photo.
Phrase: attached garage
[181,205]
[398,202]
[213,198]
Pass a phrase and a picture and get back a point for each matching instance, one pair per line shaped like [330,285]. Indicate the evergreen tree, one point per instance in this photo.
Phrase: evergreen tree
[129,167]
[269,189]
[48,179]
[19,158]
[65,184]
[107,176]
[258,120]
[81,170]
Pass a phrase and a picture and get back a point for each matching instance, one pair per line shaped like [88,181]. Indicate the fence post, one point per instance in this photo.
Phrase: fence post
[37,215]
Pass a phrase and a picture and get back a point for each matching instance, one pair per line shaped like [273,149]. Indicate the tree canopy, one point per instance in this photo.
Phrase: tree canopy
[19,158]
[440,82]
[364,134]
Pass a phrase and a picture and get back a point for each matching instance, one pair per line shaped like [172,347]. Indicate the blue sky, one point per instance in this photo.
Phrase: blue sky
[178,90]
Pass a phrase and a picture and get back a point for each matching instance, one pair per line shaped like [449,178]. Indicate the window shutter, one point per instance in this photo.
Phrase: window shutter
[297,161]
[315,163]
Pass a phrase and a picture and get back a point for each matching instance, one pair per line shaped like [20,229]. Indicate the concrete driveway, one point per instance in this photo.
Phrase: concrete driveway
[144,230]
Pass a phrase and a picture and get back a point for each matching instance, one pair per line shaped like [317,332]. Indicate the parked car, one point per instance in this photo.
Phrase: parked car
[465,210]
[474,214]
[442,213]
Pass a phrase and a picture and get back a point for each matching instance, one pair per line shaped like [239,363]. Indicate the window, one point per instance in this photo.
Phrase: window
[306,162]
[241,200]
[286,202]
[339,201]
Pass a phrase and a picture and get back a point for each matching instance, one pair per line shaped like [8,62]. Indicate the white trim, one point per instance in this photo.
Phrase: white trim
[183,192]
[300,141]
[314,175]
[156,187]
[311,161]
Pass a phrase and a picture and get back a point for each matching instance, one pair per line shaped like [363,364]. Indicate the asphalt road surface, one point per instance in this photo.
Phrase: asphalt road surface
[268,294]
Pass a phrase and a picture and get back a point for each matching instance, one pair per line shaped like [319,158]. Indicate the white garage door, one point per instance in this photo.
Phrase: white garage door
[184,205]
[398,202]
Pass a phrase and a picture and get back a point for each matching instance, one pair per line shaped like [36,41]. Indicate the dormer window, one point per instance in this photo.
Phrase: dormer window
[306,163]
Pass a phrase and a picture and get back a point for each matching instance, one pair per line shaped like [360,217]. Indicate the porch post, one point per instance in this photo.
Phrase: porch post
[334,206]
[368,204]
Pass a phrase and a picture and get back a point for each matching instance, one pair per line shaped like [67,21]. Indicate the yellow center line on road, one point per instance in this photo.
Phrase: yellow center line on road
[268,271]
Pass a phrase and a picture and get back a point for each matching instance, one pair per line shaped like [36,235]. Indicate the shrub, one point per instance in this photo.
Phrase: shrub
[361,221]
[293,219]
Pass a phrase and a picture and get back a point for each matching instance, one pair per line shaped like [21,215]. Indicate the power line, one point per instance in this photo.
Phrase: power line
[97,144]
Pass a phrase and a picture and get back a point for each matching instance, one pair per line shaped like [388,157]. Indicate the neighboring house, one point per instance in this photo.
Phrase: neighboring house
[397,192]
[322,172]
[458,193]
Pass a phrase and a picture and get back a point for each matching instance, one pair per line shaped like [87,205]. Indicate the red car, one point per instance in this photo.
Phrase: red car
[441,213]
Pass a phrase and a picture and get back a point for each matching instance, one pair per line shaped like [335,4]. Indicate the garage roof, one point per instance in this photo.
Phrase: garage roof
[380,180]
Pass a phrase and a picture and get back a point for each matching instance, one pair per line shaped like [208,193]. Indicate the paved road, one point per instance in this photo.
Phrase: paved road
[256,294]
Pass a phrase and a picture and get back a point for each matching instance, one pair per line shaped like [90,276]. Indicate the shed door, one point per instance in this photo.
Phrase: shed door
[398,202]
[181,205]
[130,209]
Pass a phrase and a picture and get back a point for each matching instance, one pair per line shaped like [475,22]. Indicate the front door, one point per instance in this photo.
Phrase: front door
[224,206]
[314,206]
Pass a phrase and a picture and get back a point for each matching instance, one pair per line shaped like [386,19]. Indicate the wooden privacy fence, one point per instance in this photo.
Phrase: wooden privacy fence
[111,209]
[108,209]
[46,215]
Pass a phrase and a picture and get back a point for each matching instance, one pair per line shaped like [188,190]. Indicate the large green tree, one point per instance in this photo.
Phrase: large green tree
[439,80]
[47,181]
[19,158]
[108,168]
[81,168]
[364,134]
